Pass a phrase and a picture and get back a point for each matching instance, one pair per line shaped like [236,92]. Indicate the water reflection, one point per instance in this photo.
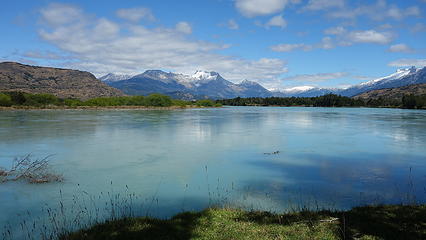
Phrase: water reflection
[189,158]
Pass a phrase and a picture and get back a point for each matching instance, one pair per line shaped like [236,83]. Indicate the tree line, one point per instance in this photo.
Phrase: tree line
[8,99]
[328,100]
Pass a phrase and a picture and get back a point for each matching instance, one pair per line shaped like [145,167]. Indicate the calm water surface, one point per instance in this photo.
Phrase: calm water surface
[187,159]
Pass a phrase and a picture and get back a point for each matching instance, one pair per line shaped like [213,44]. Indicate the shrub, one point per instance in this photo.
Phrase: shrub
[18,98]
[41,99]
[72,102]
[158,100]
[136,101]
[205,103]
[5,100]
[180,103]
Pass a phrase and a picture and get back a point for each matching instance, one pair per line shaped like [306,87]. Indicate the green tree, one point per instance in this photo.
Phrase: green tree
[5,100]
[158,100]
[40,99]
[409,101]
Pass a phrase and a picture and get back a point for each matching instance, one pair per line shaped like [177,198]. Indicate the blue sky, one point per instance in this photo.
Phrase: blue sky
[279,43]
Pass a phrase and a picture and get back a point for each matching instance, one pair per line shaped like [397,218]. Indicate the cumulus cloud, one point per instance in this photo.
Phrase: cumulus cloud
[326,43]
[347,38]
[253,8]
[342,37]
[418,27]
[408,62]
[101,46]
[57,14]
[184,27]
[285,47]
[378,11]
[316,5]
[370,36]
[232,24]
[277,21]
[135,14]
[402,48]
[319,77]
[335,30]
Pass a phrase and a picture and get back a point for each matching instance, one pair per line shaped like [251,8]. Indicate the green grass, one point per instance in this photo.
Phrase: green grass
[371,222]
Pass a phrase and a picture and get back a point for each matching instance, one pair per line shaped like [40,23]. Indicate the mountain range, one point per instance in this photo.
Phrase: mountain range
[204,84]
[67,83]
[200,85]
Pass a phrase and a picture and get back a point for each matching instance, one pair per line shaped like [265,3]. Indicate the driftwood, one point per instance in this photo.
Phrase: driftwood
[30,170]
[273,153]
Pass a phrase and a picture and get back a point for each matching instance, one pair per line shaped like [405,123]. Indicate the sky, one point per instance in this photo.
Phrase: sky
[278,43]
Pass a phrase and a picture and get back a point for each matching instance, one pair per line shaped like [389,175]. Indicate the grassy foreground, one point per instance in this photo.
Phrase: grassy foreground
[371,222]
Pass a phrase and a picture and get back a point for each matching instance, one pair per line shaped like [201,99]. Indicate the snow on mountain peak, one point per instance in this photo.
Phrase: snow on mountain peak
[298,89]
[400,73]
[111,77]
[204,75]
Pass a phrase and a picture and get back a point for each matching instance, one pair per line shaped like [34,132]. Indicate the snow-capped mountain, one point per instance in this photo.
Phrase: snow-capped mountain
[402,77]
[204,84]
[200,85]
[304,91]
[111,77]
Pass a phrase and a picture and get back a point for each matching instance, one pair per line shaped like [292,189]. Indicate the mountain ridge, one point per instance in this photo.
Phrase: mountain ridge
[213,85]
[61,82]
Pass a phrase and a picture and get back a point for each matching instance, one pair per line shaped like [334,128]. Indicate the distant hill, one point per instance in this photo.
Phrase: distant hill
[394,93]
[63,83]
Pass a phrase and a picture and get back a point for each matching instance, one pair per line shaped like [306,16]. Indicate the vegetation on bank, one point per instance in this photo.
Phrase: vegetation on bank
[329,100]
[369,222]
[9,99]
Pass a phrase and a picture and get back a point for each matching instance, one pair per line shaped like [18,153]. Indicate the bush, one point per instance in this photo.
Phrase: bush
[158,100]
[5,100]
[180,103]
[41,99]
[136,101]
[205,103]
[72,102]
[18,98]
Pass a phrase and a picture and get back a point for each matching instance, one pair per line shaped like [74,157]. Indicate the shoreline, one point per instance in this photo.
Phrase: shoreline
[13,108]
[365,222]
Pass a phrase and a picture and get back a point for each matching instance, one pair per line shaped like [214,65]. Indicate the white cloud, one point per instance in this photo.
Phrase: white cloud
[131,48]
[326,43]
[370,36]
[184,27]
[348,38]
[408,62]
[232,24]
[277,21]
[135,14]
[378,11]
[57,14]
[418,27]
[288,47]
[402,48]
[316,5]
[252,8]
[342,38]
[335,30]
[319,77]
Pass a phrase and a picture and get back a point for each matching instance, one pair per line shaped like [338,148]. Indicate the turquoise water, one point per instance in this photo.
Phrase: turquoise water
[189,159]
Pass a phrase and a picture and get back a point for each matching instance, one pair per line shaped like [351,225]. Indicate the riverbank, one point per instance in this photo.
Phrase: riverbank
[13,108]
[368,222]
